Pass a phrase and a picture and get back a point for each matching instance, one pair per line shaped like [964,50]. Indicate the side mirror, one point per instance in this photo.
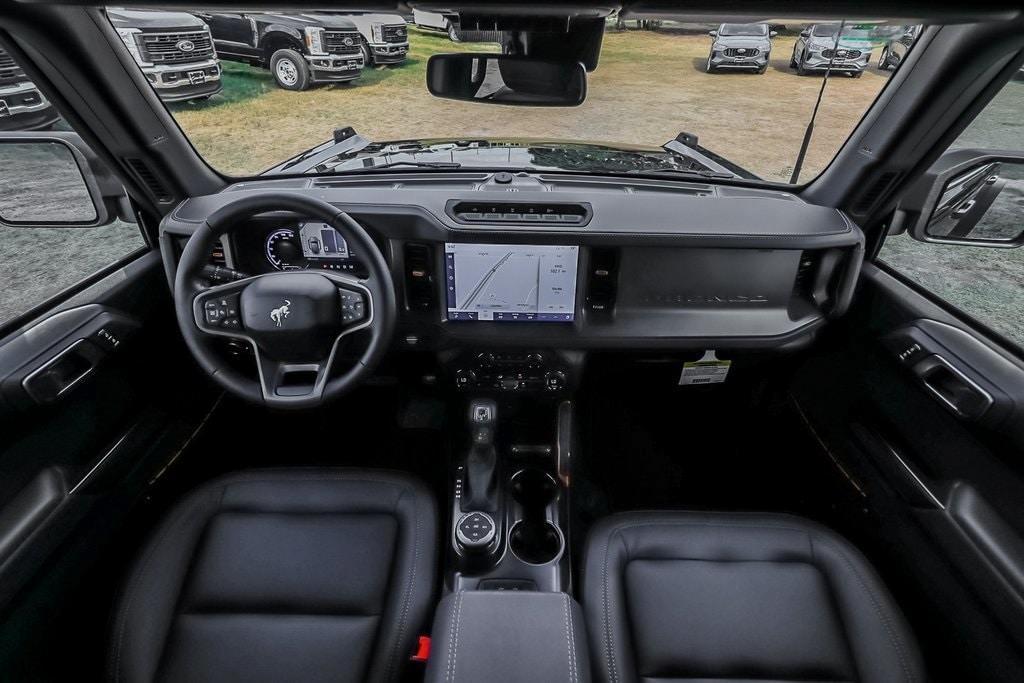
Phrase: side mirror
[772,34]
[53,180]
[806,33]
[713,34]
[969,197]
[507,79]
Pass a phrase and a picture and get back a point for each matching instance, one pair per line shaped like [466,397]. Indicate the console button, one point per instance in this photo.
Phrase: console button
[353,307]
[222,311]
[554,381]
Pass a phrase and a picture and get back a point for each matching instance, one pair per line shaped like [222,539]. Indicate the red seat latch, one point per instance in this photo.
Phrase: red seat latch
[422,650]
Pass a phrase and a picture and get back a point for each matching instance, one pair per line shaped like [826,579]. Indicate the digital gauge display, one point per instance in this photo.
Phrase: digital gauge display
[313,245]
[320,240]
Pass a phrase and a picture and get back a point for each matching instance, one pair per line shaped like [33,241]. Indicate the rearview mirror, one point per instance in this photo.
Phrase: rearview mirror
[773,34]
[805,33]
[507,79]
[970,197]
[713,34]
[46,181]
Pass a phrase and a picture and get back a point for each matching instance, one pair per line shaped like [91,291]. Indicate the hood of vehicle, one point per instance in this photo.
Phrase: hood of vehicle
[759,42]
[359,154]
[299,21]
[847,43]
[151,19]
[364,21]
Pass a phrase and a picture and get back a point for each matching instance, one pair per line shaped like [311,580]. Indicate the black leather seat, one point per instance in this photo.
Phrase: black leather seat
[679,596]
[282,575]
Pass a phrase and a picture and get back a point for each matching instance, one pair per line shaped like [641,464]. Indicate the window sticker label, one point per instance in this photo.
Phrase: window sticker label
[707,370]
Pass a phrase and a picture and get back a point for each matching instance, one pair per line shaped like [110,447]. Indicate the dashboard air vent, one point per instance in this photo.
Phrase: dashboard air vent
[419,277]
[217,257]
[522,213]
[805,273]
[145,175]
[602,279]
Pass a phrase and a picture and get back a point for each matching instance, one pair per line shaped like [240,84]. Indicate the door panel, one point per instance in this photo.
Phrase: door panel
[925,411]
[75,463]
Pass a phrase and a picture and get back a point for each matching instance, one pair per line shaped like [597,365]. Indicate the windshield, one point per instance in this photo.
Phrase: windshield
[743,30]
[825,30]
[329,92]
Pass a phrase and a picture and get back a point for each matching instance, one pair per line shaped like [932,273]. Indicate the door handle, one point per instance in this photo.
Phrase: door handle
[952,388]
[65,370]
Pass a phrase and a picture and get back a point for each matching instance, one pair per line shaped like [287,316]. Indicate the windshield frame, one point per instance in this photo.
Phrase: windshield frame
[743,177]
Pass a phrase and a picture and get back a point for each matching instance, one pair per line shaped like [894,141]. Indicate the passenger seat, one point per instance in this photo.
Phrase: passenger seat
[682,596]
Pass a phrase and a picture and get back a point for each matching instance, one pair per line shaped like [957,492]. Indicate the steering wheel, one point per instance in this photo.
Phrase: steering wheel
[294,320]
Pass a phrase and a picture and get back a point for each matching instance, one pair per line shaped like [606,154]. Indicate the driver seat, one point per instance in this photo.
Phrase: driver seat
[282,575]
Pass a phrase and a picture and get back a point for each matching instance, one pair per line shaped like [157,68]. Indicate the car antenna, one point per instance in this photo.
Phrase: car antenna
[810,124]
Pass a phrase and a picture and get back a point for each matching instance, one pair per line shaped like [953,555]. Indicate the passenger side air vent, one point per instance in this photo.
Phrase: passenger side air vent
[145,175]
[522,213]
[602,279]
[805,273]
[419,277]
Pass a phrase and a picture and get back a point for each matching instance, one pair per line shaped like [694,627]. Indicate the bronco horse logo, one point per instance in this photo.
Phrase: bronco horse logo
[278,315]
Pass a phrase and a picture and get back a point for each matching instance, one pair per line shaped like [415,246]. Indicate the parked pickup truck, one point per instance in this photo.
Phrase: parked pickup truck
[22,106]
[299,49]
[385,38]
[174,50]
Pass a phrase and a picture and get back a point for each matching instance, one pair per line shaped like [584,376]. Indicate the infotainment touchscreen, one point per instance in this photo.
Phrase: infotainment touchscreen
[511,282]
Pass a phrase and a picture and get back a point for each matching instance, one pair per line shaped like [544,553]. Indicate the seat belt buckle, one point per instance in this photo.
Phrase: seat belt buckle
[422,650]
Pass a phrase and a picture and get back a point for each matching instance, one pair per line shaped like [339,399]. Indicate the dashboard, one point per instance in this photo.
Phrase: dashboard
[565,262]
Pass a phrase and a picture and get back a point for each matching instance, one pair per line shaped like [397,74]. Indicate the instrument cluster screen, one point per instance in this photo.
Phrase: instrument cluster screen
[320,240]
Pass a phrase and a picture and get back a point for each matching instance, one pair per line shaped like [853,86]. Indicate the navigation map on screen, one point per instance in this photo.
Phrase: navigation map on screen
[516,282]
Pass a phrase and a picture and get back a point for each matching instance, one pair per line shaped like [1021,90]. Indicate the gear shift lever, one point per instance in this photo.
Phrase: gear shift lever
[481,486]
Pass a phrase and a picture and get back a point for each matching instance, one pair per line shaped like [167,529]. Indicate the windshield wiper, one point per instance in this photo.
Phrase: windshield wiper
[680,171]
[416,164]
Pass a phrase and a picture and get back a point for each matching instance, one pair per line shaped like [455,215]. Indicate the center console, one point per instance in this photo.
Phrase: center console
[509,636]
[508,614]
[509,505]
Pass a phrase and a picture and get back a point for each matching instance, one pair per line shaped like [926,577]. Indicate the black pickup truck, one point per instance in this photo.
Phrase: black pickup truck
[22,106]
[299,49]
[174,51]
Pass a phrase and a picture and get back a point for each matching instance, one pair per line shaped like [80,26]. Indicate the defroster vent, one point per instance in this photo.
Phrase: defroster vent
[523,213]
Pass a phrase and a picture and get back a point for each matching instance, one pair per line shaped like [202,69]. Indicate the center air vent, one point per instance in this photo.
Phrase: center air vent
[524,213]
[419,277]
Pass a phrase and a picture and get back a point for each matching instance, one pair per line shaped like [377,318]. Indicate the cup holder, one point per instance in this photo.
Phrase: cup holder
[534,539]
[534,489]
[536,543]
